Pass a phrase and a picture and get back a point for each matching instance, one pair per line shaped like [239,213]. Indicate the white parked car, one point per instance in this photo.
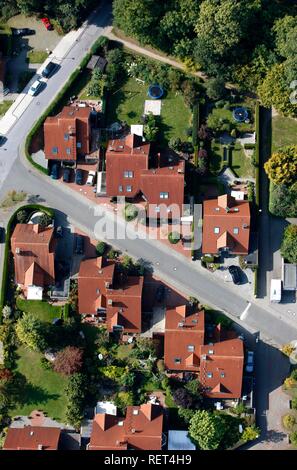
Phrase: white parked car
[250,362]
[35,87]
[91,178]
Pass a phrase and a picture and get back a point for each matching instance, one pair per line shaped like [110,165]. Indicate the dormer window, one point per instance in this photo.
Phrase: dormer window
[136,412]
[128,174]
[55,150]
[68,151]
[210,351]
[164,195]
[66,136]
[129,189]
[236,230]
[222,374]
[216,230]
[121,423]
[236,209]
[191,348]
[209,375]
[177,360]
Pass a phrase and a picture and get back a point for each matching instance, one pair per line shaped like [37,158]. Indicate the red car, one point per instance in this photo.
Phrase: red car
[47,23]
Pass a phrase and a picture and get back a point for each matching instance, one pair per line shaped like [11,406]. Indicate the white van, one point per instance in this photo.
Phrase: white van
[276,290]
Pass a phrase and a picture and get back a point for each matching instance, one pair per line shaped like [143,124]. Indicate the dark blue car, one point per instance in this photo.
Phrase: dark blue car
[79,176]
[55,172]
[66,175]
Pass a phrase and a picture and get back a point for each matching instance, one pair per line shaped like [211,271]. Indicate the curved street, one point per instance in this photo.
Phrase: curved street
[16,173]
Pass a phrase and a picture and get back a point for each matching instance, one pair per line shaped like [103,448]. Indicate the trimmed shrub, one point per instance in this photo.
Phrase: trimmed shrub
[289,421]
[174,237]
[130,212]
[100,248]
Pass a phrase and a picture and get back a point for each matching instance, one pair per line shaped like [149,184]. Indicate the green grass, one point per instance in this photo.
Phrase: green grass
[239,162]
[4,106]
[127,104]
[227,114]
[284,132]
[37,57]
[43,310]
[44,389]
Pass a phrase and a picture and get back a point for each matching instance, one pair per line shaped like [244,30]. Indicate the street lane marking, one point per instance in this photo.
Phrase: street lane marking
[245,312]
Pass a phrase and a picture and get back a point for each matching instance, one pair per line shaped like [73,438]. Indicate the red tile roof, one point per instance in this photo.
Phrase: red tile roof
[128,167]
[220,365]
[231,220]
[34,252]
[121,299]
[66,132]
[221,369]
[32,438]
[141,429]
[184,334]
[95,275]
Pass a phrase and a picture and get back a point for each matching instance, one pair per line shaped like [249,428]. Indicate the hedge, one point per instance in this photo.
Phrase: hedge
[10,226]
[196,111]
[257,153]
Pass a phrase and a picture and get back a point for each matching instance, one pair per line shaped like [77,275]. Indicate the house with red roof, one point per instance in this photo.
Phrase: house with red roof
[140,429]
[216,358]
[131,171]
[32,438]
[67,136]
[113,298]
[226,226]
[33,249]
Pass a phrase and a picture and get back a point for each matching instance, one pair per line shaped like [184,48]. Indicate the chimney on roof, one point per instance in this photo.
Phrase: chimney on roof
[31,433]
[225,202]
[99,262]
[36,228]
[130,140]
[158,160]
[40,447]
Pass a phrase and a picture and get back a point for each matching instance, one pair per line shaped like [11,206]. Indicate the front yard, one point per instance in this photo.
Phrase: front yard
[127,104]
[44,389]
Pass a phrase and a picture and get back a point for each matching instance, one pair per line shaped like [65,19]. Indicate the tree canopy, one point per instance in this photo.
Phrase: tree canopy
[281,168]
[206,429]
[289,244]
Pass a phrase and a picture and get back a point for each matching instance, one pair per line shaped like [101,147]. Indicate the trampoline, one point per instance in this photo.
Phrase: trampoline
[155,92]
[240,114]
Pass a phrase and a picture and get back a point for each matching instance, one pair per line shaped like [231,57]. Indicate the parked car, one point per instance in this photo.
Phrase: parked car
[66,175]
[3,139]
[59,231]
[35,88]
[79,244]
[79,176]
[235,273]
[160,293]
[55,171]
[91,178]
[23,31]
[250,362]
[49,69]
[47,23]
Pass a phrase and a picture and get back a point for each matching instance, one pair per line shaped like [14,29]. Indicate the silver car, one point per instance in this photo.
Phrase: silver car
[35,88]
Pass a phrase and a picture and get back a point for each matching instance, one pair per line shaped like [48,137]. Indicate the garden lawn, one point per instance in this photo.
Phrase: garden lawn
[37,57]
[44,390]
[41,309]
[4,106]
[227,114]
[127,104]
[239,162]
[284,132]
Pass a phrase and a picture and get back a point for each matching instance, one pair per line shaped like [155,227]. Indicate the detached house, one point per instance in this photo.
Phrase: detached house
[190,347]
[140,429]
[132,172]
[67,136]
[111,298]
[226,226]
[33,249]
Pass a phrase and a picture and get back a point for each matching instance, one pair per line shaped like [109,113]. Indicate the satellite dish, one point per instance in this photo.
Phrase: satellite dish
[100,356]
